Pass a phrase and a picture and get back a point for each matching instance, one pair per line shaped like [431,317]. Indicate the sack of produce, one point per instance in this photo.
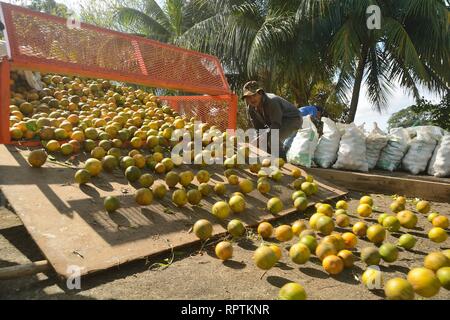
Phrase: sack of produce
[326,152]
[397,146]
[420,151]
[434,131]
[375,142]
[440,162]
[304,145]
[352,150]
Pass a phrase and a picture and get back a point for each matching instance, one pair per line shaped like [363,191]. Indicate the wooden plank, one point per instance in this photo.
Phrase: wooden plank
[24,270]
[70,226]
[433,189]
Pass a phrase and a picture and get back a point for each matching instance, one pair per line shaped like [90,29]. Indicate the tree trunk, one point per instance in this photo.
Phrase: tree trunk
[299,98]
[357,86]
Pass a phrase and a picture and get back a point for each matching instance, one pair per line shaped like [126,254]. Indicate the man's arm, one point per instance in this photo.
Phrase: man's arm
[255,122]
[275,113]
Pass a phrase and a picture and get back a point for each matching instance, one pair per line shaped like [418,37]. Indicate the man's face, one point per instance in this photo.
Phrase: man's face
[254,100]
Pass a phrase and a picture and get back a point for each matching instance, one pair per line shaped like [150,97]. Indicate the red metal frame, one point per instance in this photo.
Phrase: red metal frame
[193,71]
[5,96]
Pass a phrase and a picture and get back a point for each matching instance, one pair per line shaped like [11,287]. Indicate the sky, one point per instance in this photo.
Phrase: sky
[399,100]
[365,113]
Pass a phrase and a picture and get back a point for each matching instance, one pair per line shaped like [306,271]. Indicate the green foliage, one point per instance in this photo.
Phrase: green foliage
[423,113]
[50,7]
[297,48]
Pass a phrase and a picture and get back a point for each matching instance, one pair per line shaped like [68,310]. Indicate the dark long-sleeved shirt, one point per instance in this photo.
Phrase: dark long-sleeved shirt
[274,110]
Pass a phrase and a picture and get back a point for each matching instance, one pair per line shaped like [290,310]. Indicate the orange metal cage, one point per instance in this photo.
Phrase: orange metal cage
[45,43]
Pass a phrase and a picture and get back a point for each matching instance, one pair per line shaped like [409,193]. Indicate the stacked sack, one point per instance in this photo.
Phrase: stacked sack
[303,147]
[440,162]
[327,149]
[347,147]
[421,148]
[375,142]
[391,156]
[352,149]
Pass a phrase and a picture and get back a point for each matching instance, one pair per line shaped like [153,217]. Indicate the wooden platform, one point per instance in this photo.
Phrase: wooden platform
[402,183]
[70,226]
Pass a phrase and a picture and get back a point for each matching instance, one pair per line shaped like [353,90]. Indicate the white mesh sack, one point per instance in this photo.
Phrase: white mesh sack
[375,142]
[397,146]
[434,131]
[352,150]
[326,152]
[304,145]
[420,151]
[440,162]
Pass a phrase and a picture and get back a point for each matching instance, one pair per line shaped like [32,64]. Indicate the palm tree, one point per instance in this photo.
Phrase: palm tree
[411,47]
[262,40]
[50,7]
[166,23]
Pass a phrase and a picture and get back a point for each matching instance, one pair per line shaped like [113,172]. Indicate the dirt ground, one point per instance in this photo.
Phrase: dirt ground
[199,275]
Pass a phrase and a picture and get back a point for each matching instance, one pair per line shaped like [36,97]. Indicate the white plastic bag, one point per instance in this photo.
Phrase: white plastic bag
[326,152]
[375,142]
[440,162]
[352,150]
[420,151]
[397,146]
[304,145]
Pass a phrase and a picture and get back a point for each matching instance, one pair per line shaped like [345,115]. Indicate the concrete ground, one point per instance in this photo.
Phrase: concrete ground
[200,275]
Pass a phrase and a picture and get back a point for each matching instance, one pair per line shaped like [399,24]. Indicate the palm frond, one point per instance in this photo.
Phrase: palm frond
[142,22]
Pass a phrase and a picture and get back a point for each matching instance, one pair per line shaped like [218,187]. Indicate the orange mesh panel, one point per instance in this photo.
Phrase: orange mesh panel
[214,110]
[45,43]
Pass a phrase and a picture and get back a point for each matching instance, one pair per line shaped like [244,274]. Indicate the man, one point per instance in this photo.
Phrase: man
[268,111]
[313,111]
[316,113]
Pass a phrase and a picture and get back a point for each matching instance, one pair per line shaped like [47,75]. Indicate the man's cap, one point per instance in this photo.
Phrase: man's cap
[251,88]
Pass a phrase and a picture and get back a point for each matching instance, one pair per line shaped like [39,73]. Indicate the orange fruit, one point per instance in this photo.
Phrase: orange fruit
[265,230]
[298,226]
[424,282]
[277,250]
[265,258]
[299,253]
[423,207]
[350,240]
[292,291]
[436,260]
[203,229]
[360,229]
[221,210]
[37,158]
[143,197]
[333,264]
[347,258]
[407,219]
[376,234]
[284,233]
[398,289]
[364,210]
[325,249]
[313,219]
[326,209]
[111,204]
[440,222]
[437,235]
[224,250]
[366,200]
